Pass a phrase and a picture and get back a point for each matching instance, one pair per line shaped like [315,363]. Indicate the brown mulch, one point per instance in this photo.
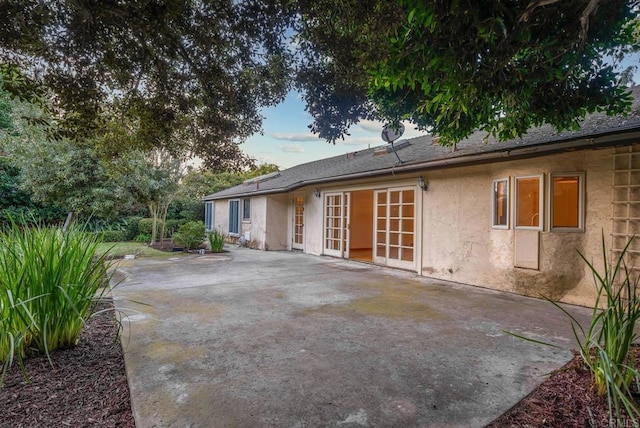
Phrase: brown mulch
[168,246]
[566,399]
[87,387]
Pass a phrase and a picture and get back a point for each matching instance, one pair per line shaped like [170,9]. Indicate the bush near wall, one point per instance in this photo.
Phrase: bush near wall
[190,235]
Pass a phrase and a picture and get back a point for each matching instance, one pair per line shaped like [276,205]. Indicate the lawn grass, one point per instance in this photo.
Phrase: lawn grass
[121,249]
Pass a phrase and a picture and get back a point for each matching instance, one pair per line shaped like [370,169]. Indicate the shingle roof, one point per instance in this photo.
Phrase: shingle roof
[597,129]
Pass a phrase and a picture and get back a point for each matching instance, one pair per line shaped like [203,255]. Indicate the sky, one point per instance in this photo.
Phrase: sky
[287,140]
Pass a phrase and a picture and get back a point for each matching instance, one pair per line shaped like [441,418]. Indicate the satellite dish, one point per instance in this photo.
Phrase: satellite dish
[391,133]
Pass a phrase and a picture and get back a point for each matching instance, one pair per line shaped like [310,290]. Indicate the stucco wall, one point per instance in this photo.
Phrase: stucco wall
[221,215]
[313,224]
[257,227]
[459,243]
[277,222]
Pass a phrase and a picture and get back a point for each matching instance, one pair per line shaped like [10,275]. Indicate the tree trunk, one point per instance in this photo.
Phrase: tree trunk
[153,208]
[163,209]
[71,218]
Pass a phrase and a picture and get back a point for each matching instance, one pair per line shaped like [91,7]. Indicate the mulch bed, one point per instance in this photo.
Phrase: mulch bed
[566,399]
[87,387]
[168,247]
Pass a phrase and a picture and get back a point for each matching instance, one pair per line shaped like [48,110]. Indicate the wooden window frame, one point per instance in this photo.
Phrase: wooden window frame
[494,201]
[541,210]
[581,201]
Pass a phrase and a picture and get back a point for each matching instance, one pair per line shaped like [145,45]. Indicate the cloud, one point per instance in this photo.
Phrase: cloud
[292,148]
[375,126]
[371,126]
[294,136]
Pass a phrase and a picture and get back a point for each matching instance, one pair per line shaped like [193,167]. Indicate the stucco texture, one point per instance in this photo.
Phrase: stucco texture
[460,244]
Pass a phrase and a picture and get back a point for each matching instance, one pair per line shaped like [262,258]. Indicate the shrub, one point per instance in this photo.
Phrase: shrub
[49,285]
[114,235]
[131,227]
[216,240]
[190,235]
[145,224]
[172,226]
[142,238]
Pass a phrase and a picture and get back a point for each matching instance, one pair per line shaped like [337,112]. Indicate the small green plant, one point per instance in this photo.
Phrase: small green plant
[50,282]
[142,237]
[216,240]
[605,345]
[190,235]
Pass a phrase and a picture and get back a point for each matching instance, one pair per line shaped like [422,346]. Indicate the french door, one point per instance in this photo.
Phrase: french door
[336,224]
[395,227]
[298,223]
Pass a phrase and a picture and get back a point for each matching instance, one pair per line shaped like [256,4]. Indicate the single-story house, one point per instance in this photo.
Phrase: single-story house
[508,215]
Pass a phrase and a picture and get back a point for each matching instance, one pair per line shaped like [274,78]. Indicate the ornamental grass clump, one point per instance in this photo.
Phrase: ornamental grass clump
[216,240]
[50,282]
[605,346]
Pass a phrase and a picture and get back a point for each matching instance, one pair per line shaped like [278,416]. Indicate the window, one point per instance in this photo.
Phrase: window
[500,204]
[208,215]
[234,217]
[246,209]
[528,202]
[567,202]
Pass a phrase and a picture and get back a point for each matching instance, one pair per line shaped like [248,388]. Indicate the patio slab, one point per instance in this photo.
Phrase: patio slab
[280,339]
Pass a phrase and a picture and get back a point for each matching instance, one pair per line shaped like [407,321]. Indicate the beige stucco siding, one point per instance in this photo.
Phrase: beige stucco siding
[313,221]
[459,243]
[277,222]
[221,215]
[256,226]
[267,227]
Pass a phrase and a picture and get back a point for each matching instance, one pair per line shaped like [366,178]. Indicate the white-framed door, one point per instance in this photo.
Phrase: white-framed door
[336,224]
[395,227]
[297,242]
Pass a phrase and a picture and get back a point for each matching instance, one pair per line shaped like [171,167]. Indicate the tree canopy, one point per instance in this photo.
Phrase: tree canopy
[190,76]
[452,67]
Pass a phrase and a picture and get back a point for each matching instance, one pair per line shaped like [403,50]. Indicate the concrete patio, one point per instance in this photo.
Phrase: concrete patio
[278,339]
